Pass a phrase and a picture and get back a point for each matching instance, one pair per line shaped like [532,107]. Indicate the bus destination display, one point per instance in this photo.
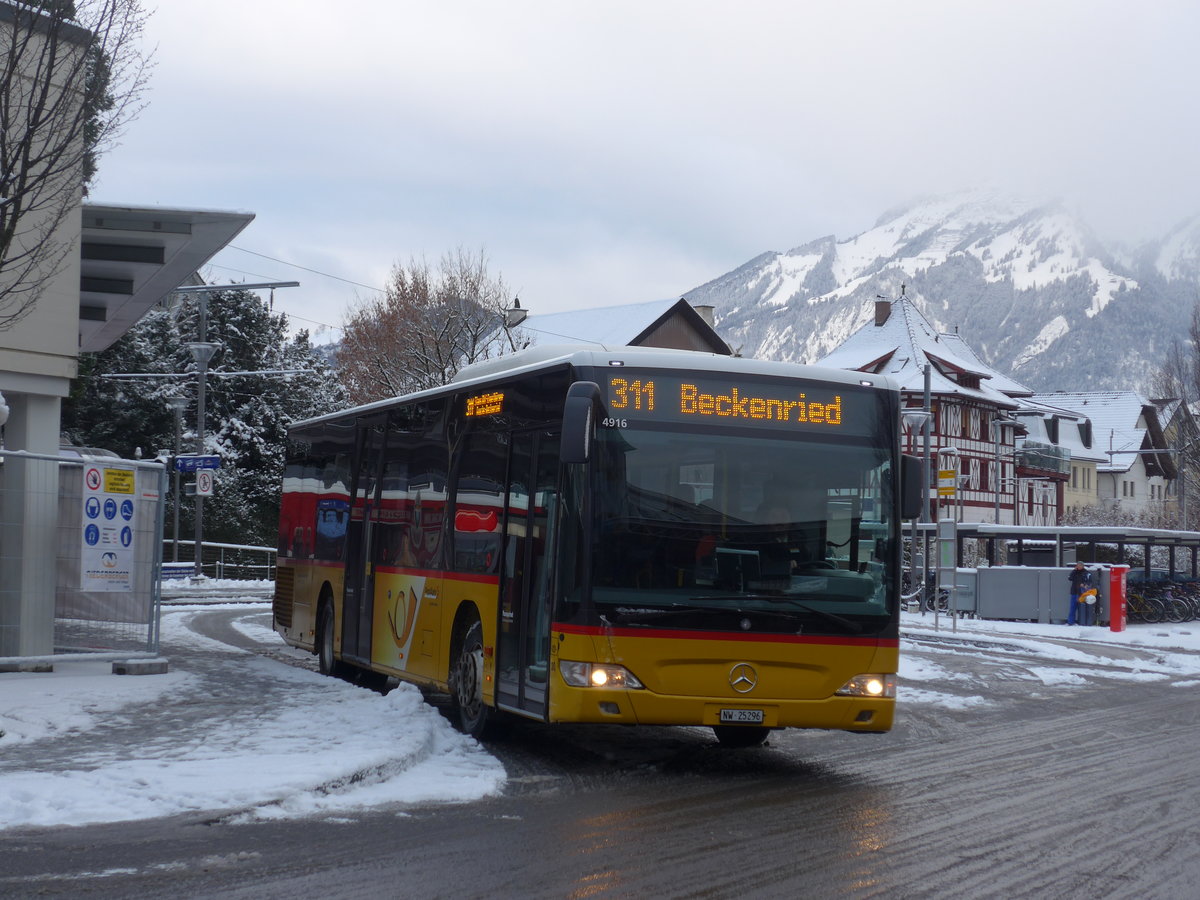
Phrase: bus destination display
[669,397]
[489,404]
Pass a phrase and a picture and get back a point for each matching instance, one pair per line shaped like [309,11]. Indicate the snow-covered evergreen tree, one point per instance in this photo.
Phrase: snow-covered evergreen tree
[246,415]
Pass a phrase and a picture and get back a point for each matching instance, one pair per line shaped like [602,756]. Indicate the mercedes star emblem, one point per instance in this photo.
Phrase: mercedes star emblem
[743,678]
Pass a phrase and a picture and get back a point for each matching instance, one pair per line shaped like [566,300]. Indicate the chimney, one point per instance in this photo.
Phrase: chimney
[706,313]
[883,309]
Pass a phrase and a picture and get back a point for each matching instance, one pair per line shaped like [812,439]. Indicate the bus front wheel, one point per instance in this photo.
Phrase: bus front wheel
[467,683]
[325,659]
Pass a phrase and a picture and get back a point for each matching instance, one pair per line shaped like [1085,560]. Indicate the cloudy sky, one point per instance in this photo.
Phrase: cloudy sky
[617,152]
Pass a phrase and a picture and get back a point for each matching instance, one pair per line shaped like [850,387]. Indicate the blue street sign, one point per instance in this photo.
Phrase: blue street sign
[195,463]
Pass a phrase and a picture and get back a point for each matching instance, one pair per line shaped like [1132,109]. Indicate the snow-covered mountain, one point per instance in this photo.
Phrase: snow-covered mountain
[1027,285]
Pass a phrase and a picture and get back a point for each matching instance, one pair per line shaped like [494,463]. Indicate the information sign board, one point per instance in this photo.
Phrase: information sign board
[196,463]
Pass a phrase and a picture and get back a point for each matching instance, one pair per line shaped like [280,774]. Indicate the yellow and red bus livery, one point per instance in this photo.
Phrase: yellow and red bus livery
[629,536]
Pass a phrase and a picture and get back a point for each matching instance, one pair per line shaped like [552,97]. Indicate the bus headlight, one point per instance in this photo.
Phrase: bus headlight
[869,686]
[582,674]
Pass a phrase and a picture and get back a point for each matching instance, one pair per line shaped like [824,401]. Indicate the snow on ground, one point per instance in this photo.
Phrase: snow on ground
[321,746]
[317,745]
[72,700]
[1144,653]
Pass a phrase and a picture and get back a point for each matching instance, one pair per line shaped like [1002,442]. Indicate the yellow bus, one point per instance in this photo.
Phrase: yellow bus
[632,536]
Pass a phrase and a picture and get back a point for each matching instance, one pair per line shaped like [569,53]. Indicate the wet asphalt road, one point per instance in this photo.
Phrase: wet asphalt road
[1090,791]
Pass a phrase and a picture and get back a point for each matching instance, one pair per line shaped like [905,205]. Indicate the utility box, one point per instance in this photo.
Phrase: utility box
[1036,594]
[1027,593]
[966,597]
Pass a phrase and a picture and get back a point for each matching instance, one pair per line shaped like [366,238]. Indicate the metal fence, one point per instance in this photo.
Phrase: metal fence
[80,554]
[238,562]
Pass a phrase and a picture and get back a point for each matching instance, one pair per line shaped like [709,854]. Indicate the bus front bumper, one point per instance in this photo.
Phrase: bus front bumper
[643,707]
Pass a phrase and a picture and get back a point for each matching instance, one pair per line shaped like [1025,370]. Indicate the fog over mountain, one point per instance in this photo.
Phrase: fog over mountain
[1028,285]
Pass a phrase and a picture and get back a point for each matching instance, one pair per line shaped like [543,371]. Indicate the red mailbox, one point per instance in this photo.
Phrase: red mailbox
[1116,597]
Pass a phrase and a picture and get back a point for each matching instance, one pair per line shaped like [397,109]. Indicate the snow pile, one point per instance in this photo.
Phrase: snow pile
[264,740]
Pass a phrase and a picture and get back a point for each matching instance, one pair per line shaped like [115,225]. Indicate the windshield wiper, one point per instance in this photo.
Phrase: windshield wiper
[851,626]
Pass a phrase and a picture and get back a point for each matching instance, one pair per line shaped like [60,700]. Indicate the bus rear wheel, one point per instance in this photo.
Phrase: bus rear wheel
[735,736]
[466,683]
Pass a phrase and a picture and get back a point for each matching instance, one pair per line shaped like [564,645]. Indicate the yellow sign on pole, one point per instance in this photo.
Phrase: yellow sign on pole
[947,482]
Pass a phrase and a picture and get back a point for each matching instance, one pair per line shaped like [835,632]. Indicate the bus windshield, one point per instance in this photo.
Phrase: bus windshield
[747,530]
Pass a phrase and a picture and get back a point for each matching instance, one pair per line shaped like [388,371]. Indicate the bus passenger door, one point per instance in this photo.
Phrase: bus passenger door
[526,588]
[359,587]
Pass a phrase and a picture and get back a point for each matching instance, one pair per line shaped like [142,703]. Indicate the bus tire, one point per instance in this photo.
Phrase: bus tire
[327,664]
[738,736]
[466,684]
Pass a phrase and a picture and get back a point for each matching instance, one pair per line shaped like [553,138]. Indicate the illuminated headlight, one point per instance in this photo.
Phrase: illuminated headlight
[869,686]
[582,674]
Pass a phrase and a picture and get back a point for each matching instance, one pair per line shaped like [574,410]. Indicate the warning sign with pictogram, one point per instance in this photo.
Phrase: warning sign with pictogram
[109,529]
[204,483]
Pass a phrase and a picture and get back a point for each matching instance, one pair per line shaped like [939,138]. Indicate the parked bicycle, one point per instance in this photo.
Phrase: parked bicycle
[1141,606]
[910,596]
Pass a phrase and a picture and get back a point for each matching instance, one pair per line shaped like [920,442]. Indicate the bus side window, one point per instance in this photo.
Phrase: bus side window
[478,508]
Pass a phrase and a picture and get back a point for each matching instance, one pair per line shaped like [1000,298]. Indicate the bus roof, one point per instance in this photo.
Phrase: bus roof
[538,358]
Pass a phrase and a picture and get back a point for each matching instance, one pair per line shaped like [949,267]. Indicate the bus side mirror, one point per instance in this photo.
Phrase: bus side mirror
[578,422]
[911,497]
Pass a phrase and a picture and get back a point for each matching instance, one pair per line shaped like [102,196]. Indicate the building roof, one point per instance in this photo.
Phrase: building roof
[1075,430]
[900,344]
[132,257]
[1124,423]
[999,381]
[616,326]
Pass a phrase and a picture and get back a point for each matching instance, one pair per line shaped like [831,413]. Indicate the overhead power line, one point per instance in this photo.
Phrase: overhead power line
[284,262]
[213,373]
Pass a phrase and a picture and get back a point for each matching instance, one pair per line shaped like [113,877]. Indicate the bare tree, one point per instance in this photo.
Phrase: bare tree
[72,76]
[424,327]
[1179,379]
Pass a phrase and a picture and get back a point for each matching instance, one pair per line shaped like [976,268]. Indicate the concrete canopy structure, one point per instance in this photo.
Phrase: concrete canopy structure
[132,257]
[129,259]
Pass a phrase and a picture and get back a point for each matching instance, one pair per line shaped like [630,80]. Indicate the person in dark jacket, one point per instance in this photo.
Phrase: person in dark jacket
[1081,580]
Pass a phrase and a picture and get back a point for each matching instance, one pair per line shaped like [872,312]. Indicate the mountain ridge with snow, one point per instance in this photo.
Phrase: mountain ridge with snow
[1027,284]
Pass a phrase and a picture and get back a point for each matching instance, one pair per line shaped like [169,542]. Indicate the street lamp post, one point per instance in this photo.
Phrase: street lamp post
[202,352]
[177,404]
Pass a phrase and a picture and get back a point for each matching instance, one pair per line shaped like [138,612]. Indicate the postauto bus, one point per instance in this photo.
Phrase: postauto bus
[632,536]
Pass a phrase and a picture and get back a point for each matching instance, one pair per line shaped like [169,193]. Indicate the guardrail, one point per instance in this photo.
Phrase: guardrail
[224,561]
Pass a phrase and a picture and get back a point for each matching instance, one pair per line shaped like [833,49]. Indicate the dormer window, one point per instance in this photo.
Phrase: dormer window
[877,366]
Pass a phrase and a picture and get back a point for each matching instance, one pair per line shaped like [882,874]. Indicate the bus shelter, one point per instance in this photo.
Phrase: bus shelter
[1028,545]
[1014,571]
